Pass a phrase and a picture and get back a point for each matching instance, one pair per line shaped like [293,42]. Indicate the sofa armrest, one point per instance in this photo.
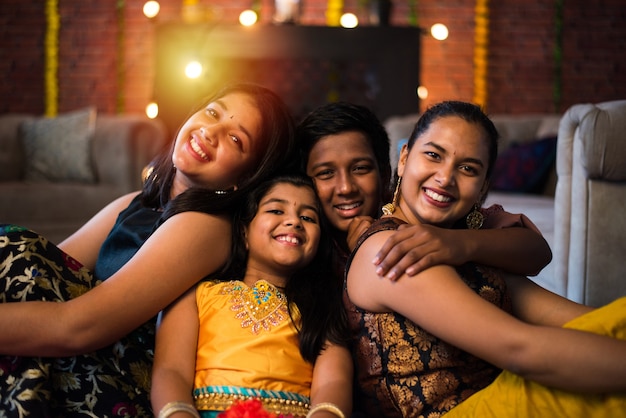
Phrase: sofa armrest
[123,145]
[601,130]
[589,224]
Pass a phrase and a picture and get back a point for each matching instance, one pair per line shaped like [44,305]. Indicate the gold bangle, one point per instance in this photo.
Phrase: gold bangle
[178,406]
[326,406]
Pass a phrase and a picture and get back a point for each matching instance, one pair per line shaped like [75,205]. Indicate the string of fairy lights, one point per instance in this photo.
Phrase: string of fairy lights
[333,18]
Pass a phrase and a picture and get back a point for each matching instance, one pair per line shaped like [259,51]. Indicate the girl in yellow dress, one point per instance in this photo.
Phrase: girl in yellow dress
[269,326]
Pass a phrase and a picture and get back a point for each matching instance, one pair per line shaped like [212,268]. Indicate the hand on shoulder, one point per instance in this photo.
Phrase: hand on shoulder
[414,248]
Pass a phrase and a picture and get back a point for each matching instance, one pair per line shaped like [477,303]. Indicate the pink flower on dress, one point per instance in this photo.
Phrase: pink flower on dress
[124,409]
[251,408]
[71,263]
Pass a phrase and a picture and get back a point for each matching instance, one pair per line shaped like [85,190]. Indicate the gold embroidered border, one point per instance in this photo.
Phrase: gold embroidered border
[222,401]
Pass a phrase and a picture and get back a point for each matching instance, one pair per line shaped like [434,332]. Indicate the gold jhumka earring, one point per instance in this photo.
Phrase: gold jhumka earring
[475,218]
[390,208]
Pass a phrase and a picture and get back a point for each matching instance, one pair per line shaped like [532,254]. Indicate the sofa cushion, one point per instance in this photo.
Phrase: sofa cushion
[59,149]
[11,150]
[524,168]
[517,129]
[549,126]
[55,210]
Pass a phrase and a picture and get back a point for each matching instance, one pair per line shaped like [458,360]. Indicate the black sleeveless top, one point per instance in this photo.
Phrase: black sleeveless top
[133,227]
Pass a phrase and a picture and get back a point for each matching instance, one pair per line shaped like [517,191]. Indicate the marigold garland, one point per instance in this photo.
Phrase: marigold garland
[481,43]
[51,58]
[334,8]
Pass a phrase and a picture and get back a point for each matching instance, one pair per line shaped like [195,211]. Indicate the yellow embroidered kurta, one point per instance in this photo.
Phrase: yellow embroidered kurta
[247,339]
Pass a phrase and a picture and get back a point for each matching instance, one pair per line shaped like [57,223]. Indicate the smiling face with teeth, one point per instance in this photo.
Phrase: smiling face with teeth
[347,178]
[218,145]
[284,234]
[444,173]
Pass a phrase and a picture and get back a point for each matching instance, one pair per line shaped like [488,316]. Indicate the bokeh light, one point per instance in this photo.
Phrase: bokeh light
[439,31]
[193,69]
[248,17]
[349,20]
[422,92]
[151,9]
[152,110]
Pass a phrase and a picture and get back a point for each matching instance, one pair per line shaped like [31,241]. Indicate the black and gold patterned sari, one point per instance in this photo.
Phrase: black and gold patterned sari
[403,370]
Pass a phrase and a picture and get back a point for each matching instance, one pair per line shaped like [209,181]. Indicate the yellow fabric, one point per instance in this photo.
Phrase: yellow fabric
[511,396]
[247,339]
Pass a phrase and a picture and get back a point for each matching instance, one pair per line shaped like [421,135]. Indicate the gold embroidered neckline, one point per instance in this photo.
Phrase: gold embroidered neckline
[259,307]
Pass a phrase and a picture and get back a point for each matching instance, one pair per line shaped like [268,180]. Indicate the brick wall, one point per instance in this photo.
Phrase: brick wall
[22,27]
[95,70]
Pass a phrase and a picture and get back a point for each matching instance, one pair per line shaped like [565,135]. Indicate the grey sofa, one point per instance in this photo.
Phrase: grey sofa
[590,203]
[121,147]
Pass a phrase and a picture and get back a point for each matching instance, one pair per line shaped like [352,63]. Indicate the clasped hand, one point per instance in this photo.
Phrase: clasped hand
[412,248]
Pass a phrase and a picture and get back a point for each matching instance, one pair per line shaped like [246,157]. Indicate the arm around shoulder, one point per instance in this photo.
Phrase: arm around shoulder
[414,248]
[511,242]
[517,250]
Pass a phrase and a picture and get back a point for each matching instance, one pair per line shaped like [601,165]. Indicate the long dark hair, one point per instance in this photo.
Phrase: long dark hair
[277,131]
[339,117]
[313,288]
